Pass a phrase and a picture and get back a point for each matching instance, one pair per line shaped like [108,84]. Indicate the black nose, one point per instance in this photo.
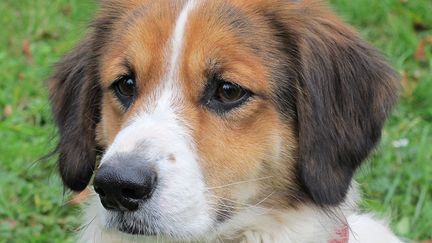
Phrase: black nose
[122,187]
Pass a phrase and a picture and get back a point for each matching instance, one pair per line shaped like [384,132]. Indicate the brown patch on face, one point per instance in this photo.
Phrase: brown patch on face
[248,152]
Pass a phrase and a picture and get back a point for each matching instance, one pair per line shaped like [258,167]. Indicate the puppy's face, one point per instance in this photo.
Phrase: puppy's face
[207,110]
[193,101]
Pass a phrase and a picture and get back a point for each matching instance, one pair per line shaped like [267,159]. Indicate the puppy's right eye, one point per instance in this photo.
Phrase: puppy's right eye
[125,90]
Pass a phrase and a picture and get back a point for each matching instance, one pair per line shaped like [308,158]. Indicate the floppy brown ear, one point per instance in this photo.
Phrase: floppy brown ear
[347,94]
[345,91]
[75,97]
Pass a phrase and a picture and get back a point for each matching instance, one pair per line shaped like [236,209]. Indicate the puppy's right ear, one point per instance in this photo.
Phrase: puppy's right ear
[75,97]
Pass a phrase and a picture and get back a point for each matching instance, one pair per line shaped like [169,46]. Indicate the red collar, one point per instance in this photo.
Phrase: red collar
[341,236]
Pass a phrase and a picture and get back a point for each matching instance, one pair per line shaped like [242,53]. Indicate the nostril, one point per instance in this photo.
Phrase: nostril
[140,191]
[131,193]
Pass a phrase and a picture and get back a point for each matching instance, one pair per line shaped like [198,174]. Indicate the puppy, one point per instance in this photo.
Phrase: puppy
[221,121]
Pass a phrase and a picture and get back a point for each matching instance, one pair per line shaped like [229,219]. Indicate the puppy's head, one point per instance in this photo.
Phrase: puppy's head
[203,108]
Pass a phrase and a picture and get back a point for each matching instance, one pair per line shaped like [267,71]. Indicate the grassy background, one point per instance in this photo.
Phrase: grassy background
[397,182]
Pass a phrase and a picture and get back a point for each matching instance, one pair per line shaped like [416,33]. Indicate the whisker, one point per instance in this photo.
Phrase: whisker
[239,182]
[267,197]
[232,201]
[84,227]
[246,205]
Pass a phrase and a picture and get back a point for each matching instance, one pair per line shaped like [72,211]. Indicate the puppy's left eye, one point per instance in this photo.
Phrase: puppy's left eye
[125,90]
[222,96]
[229,93]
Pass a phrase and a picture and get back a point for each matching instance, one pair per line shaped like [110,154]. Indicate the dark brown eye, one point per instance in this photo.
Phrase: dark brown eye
[222,96]
[229,93]
[126,86]
[125,90]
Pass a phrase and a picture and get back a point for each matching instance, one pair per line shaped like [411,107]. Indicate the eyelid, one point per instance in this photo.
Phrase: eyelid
[125,70]
[120,77]
[208,96]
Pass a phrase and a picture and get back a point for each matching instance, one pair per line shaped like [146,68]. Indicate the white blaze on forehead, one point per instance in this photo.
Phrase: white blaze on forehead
[178,39]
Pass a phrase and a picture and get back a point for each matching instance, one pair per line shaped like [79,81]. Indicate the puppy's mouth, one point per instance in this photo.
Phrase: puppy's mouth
[147,222]
[133,224]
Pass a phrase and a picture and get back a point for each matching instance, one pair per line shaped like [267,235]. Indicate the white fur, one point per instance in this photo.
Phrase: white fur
[366,229]
[307,224]
[178,37]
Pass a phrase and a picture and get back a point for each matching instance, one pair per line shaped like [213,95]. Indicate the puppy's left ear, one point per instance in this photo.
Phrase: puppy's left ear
[75,97]
[345,93]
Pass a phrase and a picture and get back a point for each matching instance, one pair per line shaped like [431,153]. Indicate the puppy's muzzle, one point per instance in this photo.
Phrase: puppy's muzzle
[124,182]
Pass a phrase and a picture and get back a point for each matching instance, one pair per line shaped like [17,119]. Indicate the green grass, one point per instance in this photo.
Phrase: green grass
[32,206]
[397,182]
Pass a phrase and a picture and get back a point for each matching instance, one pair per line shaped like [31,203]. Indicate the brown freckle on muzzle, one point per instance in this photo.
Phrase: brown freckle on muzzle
[172,158]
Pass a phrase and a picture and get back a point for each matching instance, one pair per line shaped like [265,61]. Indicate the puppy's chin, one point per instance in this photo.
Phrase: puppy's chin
[150,223]
[134,223]
[136,230]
